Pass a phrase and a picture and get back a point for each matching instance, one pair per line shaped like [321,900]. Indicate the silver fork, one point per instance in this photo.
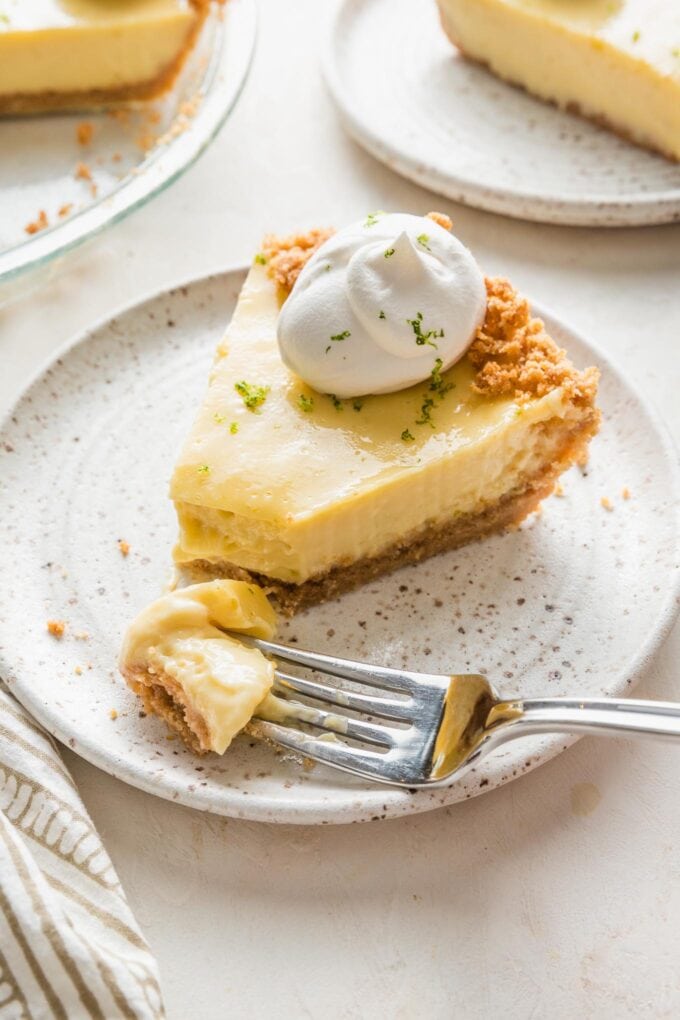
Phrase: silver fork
[441,725]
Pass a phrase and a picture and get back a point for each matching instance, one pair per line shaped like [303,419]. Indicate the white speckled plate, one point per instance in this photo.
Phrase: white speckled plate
[406,95]
[576,601]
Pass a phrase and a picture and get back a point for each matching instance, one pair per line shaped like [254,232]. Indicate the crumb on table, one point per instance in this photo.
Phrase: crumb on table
[113,714]
[56,628]
[78,671]
[39,223]
[559,490]
[84,132]
[625,493]
[606,503]
[124,547]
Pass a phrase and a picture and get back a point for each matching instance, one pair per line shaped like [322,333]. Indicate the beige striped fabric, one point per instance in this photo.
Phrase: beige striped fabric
[69,945]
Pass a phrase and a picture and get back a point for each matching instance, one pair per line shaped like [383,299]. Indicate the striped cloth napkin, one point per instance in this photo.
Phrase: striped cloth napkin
[69,945]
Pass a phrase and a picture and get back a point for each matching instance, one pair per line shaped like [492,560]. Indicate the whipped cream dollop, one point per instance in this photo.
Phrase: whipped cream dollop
[379,305]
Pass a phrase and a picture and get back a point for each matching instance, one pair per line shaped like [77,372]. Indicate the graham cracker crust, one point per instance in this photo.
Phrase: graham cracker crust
[161,695]
[599,120]
[53,102]
[506,514]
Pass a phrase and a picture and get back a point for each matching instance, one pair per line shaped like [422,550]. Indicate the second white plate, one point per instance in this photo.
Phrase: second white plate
[575,602]
[407,96]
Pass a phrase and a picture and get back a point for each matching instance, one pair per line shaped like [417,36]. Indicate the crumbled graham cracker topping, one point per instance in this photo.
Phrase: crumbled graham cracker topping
[515,357]
[287,256]
[512,353]
[441,218]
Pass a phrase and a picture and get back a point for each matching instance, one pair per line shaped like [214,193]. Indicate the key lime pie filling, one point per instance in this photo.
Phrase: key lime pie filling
[204,682]
[76,54]
[374,401]
[617,62]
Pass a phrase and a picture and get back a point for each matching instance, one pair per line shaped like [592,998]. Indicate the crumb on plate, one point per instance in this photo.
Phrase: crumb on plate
[56,628]
[123,546]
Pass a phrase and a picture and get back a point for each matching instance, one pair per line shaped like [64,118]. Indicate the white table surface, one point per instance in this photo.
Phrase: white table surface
[542,899]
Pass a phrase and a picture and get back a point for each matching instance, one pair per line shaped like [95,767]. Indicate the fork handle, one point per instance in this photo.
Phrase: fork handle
[585,715]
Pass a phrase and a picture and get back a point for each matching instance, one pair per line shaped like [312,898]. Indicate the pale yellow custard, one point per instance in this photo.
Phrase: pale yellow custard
[205,682]
[302,483]
[59,53]
[615,61]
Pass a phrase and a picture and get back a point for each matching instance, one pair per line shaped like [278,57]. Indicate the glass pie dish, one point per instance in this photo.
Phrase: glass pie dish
[64,178]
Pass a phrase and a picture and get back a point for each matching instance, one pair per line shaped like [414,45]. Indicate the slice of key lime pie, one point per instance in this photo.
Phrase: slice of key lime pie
[76,54]
[614,61]
[375,400]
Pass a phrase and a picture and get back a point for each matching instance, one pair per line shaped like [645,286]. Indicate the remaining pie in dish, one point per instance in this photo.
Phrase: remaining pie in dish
[309,493]
[74,54]
[614,61]
[204,683]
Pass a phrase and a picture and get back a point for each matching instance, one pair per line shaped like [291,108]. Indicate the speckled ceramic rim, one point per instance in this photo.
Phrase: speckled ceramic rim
[220,89]
[284,808]
[651,208]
